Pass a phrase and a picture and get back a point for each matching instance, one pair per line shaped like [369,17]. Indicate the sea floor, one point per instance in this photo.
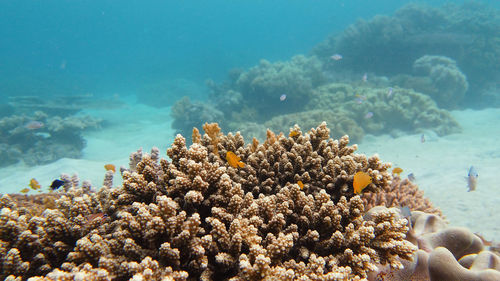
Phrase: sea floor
[439,164]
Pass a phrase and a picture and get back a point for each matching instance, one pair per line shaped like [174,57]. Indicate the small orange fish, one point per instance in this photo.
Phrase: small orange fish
[361,180]
[301,185]
[34,184]
[25,190]
[293,134]
[234,160]
[110,167]
[397,171]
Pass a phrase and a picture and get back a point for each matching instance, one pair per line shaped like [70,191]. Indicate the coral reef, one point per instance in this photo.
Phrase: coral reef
[404,109]
[261,86]
[40,139]
[449,83]
[196,217]
[63,105]
[445,253]
[388,45]
[189,114]
[401,193]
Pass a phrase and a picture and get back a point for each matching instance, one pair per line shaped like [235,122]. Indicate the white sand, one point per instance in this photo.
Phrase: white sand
[439,164]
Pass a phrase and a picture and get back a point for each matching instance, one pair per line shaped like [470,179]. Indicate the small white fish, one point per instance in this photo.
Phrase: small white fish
[389,93]
[472,178]
[422,138]
[369,115]
[336,57]
[283,97]
[33,125]
[43,135]
[365,77]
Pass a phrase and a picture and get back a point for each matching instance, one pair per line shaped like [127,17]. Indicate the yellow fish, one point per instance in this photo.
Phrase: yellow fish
[110,167]
[25,190]
[301,185]
[361,180]
[234,160]
[397,171]
[293,134]
[34,184]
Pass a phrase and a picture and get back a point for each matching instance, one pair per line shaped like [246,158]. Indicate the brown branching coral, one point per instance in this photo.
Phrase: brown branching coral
[195,217]
[398,194]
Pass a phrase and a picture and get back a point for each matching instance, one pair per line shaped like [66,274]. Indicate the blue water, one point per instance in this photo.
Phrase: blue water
[73,47]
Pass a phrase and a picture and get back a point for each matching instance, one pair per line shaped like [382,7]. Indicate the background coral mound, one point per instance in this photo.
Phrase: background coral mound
[196,217]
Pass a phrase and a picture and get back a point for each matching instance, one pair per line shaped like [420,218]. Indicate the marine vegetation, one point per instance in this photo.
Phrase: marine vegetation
[196,217]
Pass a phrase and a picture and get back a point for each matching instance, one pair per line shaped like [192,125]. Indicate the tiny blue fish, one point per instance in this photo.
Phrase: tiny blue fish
[411,177]
[56,184]
[472,178]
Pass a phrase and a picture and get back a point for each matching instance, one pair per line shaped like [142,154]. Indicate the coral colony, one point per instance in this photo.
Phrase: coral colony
[284,209]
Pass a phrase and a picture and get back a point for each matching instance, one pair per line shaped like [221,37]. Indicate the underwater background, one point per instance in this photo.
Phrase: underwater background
[85,83]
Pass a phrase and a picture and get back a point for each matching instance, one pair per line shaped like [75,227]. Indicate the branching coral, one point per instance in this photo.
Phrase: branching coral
[197,217]
[401,193]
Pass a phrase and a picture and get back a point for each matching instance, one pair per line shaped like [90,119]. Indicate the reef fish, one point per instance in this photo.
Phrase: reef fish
[25,190]
[283,97]
[369,115]
[293,134]
[301,185]
[34,184]
[336,57]
[56,184]
[397,171]
[361,180]
[110,167]
[234,160]
[411,177]
[389,93]
[472,178]
[33,125]
[95,216]
[365,77]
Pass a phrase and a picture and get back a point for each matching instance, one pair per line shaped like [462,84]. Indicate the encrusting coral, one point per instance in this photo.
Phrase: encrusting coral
[197,218]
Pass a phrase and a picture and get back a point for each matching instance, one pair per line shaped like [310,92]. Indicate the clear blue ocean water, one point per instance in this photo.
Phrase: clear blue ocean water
[75,47]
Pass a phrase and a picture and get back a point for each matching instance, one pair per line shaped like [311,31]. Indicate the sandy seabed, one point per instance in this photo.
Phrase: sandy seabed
[440,164]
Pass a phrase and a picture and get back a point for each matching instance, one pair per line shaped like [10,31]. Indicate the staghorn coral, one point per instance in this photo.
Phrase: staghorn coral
[401,193]
[195,217]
